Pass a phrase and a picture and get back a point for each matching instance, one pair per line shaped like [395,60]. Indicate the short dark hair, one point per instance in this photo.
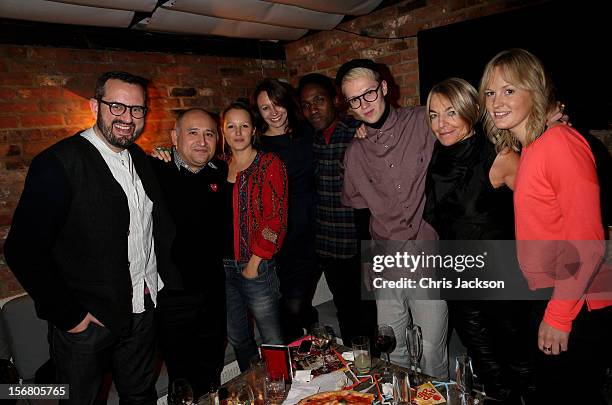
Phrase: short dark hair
[319,80]
[122,76]
[282,94]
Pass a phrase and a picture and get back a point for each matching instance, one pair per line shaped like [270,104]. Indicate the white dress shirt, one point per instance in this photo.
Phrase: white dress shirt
[141,252]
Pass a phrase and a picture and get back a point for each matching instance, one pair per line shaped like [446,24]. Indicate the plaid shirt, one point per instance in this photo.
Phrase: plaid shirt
[336,236]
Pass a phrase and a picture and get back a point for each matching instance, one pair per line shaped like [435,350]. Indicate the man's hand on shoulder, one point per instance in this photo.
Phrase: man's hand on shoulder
[85,323]
[162,153]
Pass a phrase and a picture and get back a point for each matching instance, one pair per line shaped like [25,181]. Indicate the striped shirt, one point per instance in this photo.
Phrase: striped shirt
[141,252]
[336,236]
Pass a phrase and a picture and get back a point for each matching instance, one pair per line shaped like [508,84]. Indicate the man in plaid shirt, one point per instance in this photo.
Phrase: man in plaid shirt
[338,228]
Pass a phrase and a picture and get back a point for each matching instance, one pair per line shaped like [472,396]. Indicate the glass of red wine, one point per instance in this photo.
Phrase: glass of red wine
[385,342]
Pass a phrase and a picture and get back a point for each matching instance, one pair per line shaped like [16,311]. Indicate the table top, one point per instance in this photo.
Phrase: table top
[450,391]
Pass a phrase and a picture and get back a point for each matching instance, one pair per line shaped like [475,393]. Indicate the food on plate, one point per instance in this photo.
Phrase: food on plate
[338,398]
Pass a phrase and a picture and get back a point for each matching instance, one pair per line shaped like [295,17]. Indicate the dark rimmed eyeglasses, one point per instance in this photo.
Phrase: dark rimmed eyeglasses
[369,96]
[117,109]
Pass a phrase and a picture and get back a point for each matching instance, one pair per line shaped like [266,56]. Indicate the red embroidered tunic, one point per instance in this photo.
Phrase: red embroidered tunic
[260,208]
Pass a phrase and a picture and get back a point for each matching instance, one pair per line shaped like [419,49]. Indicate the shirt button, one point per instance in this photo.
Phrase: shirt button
[386,146]
[128,264]
[399,186]
[392,165]
[128,232]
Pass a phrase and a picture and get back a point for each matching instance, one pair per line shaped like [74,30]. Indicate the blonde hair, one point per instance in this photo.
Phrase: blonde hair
[525,71]
[462,96]
[359,72]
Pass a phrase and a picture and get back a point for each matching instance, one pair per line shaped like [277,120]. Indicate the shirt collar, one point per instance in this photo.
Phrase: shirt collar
[389,123]
[179,162]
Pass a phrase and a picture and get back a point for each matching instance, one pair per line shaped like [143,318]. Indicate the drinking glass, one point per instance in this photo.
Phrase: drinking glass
[385,342]
[414,340]
[240,393]
[401,388]
[361,354]
[256,377]
[274,389]
[464,374]
[322,339]
[180,392]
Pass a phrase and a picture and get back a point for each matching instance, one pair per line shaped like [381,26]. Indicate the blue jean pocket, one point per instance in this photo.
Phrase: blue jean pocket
[262,270]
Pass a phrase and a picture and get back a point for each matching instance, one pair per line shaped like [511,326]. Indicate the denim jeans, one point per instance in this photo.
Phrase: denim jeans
[259,297]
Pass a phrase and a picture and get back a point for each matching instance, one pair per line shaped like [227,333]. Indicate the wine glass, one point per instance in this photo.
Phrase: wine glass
[464,374]
[180,392]
[240,393]
[322,339]
[385,342]
[414,340]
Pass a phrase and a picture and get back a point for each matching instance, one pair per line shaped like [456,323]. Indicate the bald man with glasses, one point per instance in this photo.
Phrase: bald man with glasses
[90,242]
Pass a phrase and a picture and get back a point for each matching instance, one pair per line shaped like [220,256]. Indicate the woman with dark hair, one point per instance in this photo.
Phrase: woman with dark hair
[559,230]
[256,214]
[469,197]
[280,131]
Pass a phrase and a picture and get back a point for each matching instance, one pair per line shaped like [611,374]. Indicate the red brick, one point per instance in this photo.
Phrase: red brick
[407,67]
[34,148]
[18,107]
[79,120]
[89,56]
[6,94]
[42,53]
[409,55]
[35,93]
[19,135]
[41,120]
[15,50]
[16,79]
[9,122]
[389,60]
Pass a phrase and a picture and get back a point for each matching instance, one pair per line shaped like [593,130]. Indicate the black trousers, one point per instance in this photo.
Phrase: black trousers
[192,332]
[84,359]
[577,375]
[356,316]
[298,277]
[497,337]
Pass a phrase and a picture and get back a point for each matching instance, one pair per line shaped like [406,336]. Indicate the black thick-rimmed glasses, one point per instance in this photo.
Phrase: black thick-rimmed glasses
[369,96]
[117,109]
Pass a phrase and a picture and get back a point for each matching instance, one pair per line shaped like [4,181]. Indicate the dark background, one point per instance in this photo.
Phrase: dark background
[572,39]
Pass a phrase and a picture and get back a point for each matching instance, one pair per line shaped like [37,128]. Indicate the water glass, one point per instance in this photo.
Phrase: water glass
[361,353]
[414,340]
[274,389]
[464,374]
[401,388]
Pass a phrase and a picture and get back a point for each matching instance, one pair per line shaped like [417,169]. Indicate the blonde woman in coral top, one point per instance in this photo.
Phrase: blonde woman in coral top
[556,198]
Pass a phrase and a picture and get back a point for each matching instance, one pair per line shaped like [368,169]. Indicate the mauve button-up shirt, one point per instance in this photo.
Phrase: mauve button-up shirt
[386,173]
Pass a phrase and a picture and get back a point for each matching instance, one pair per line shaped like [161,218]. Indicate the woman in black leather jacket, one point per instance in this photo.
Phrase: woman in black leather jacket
[469,197]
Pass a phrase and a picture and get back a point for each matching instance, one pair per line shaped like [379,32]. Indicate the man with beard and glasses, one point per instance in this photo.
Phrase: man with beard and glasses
[90,242]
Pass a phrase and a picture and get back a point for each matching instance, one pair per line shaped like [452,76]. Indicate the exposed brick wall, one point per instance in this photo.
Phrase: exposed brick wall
[44,95]
[325,51]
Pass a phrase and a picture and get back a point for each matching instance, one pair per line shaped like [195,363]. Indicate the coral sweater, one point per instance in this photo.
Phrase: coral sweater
[556,198]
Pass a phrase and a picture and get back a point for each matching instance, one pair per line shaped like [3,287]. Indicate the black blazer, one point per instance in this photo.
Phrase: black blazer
[67,245]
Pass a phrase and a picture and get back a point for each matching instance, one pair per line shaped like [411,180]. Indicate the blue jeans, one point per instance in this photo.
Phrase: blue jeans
[259,297]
